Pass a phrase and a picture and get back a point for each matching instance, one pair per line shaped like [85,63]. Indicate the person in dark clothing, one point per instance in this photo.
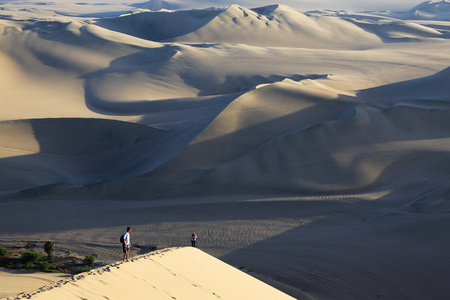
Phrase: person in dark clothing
[193,239]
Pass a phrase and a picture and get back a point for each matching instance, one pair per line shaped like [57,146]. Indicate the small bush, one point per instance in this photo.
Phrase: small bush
[51,258]
[82,269]
[44,266]
[49,247]
[30,265]
[18,266]
[30,256]
[89,259]
[3,251]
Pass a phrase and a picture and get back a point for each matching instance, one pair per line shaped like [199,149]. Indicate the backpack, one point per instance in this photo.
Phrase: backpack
[121,239]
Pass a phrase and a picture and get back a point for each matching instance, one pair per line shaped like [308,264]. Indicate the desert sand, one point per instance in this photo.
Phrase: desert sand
[183,273]
[18,281]
[311,150]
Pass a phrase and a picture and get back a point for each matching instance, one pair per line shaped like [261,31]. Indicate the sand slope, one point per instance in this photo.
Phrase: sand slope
[17,281]
[183,273]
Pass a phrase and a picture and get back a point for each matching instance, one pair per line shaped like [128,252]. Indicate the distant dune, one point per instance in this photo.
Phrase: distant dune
[276,26]
[154,68]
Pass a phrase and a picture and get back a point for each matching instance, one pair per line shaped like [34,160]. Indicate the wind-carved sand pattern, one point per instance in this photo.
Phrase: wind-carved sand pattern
[311,149]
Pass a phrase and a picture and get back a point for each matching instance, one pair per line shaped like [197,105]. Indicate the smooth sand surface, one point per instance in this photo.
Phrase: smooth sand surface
[182,273]
[16,281]
[311,149]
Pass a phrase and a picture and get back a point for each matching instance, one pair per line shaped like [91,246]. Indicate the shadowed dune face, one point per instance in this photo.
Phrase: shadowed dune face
[158,26]
[62,136]
[432,87]
[78,151]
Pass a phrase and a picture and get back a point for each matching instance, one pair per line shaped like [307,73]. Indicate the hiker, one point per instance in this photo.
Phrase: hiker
[126,245]
[193,239]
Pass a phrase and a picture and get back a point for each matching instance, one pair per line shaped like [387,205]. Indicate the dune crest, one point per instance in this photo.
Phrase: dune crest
[276,26]
[177,273]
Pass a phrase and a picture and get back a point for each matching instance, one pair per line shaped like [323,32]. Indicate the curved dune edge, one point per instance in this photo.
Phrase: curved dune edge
[15,281]
[173,273]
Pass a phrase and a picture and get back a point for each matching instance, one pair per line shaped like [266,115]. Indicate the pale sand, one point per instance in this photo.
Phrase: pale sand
[182,273]
[311,149]
[17,281]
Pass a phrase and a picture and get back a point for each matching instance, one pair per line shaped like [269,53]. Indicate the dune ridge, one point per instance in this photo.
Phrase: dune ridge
[276,26]
[182,273]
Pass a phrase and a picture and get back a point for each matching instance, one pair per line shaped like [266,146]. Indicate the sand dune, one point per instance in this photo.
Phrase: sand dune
[430,10]
[276,26]
[290,151]
[432,87]
[183,273]
[317,140]
[18,281]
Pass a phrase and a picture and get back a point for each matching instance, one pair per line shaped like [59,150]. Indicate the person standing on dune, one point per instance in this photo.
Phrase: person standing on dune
[193,239]
[126,244]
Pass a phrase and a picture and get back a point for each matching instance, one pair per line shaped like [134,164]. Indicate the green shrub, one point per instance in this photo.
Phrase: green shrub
[18,266]
[30,256]
[3,251]
[43,266]
[51,258]
[49,247]
[89,259]
[83,269]
[30,265]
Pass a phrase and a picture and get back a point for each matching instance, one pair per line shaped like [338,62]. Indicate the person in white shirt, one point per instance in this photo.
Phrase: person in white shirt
[126,244]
